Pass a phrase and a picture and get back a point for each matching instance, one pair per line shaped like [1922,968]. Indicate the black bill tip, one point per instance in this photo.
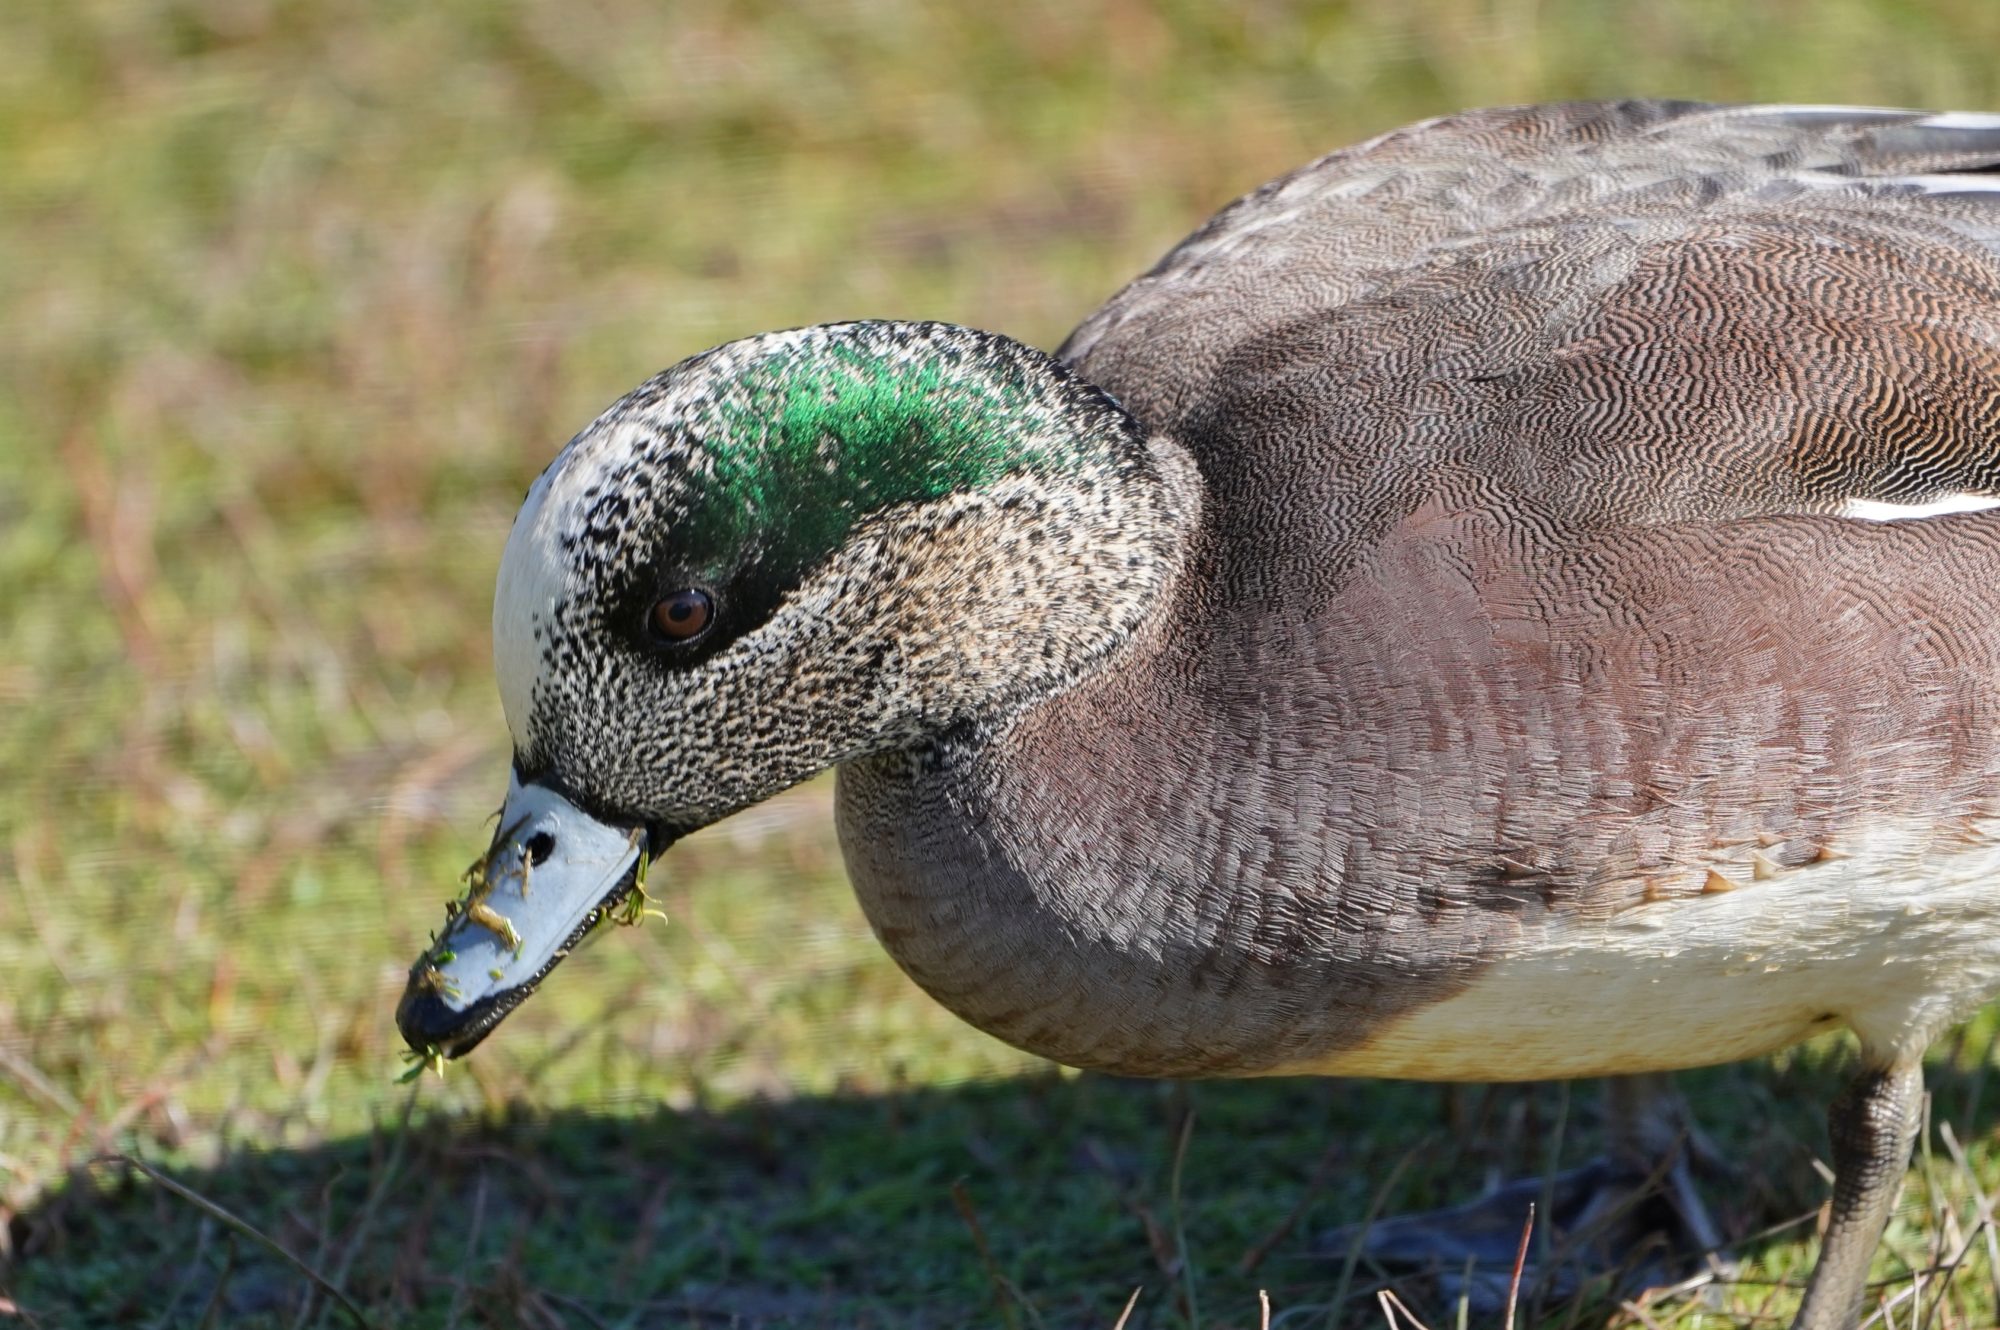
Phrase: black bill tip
[430,1025]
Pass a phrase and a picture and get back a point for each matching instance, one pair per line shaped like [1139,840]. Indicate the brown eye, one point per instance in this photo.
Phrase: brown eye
[683,615]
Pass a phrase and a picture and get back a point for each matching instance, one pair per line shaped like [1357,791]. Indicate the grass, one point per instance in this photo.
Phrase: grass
[300,296]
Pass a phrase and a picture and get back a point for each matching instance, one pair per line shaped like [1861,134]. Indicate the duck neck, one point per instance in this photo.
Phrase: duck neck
[1177,864]
[1056,876]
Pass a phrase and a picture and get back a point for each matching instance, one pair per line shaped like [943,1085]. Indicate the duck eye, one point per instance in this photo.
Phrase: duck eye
[683,615]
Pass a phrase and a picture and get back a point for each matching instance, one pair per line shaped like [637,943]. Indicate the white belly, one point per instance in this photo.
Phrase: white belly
[1895,944]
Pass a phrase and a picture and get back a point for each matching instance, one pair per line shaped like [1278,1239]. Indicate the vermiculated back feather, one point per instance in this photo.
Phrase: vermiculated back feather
[1635,311]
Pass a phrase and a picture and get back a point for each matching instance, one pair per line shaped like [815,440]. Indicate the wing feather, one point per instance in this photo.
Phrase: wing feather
[1643,311]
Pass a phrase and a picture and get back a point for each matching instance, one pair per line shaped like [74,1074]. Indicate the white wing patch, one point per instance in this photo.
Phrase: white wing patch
[1787,111]
[1956,185]
[1872,510]
[1967,183]
[1961,120]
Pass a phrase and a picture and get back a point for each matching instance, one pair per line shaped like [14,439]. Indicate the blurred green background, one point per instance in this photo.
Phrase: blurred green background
[299,296]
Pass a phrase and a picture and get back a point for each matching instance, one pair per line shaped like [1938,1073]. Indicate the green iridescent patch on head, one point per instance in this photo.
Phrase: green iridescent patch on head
[806,440]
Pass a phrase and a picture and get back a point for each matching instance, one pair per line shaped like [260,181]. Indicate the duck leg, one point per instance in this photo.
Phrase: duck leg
[1631,1217]
[1873,1124]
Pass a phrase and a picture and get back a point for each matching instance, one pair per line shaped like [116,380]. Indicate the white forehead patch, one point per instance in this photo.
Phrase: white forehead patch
[531,582]
[536,571]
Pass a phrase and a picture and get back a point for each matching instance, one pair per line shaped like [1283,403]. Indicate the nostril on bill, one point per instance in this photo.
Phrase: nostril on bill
[539,847]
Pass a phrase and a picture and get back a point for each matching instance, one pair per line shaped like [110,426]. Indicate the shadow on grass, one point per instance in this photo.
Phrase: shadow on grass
[862,1210]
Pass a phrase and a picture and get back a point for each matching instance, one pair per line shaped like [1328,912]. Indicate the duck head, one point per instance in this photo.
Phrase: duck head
[793,551]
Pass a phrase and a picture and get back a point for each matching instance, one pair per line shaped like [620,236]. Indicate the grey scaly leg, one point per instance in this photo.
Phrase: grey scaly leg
[1873,1124]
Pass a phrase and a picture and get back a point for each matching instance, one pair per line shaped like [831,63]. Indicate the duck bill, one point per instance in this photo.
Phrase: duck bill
[553,875]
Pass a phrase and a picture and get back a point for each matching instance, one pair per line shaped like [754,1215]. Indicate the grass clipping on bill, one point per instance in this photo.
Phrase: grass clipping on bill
[472,904]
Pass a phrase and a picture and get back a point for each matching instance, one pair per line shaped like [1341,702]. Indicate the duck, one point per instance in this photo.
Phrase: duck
[1517,598]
